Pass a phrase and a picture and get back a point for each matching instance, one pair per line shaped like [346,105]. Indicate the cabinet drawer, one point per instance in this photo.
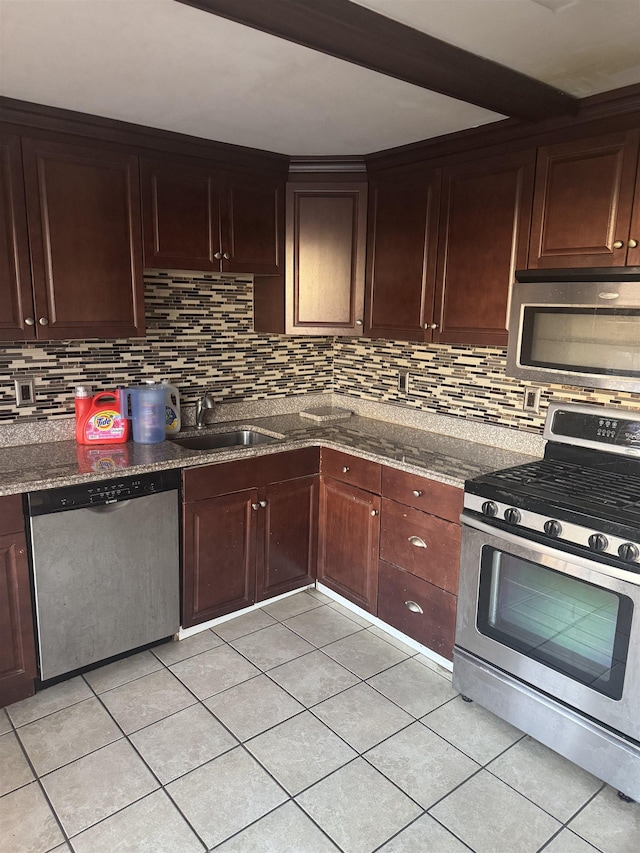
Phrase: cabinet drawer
[421,544]
[350,469]
[419,609]
[422,493]
[11,516]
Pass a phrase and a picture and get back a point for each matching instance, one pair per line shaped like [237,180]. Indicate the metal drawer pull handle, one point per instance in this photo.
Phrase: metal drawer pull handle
[417,541]
[417,493]
[345,469]
[414,607]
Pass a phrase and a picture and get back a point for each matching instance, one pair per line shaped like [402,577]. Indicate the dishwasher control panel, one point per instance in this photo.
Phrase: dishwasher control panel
[98,493]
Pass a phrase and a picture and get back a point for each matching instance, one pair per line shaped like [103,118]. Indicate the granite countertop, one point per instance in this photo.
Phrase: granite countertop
[450,460]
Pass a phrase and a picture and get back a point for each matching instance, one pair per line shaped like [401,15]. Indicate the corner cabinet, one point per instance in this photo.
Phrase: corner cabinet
[83,212]
[584,213]
[17,644]
[197,216]
[322,292]
[249,532]
[349,527]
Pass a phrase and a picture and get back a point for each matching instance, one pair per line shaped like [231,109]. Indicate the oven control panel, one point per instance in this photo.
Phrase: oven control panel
[611,430]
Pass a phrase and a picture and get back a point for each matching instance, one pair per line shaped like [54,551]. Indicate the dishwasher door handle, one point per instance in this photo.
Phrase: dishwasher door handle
[109,507]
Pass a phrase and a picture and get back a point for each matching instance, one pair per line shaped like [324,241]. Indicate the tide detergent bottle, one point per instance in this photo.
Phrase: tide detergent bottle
[99,417]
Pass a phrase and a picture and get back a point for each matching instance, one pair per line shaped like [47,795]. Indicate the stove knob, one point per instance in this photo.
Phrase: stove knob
[489,508]
[553,529]
[628,552]
[512,515]
[598,542]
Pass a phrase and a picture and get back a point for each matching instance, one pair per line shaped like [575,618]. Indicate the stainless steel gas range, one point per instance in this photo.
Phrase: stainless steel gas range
[548,624]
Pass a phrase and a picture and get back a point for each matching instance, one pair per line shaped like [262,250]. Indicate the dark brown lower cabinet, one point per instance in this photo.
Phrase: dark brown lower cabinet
[247,537]
[17,645]
[418,608]
[287,540]
[348,547]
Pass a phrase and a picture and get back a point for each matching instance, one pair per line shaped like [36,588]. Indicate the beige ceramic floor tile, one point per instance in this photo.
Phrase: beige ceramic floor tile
[214,671]
[27,824]
[313,678]
[245,624]
[414,687]
[175,651]
[14,767]
[610,824]
[285,830]
[48,701]
[147,700]
[272,646]
[122,671]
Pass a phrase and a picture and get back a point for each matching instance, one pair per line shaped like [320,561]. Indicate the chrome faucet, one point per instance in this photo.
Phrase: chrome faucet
[205,402]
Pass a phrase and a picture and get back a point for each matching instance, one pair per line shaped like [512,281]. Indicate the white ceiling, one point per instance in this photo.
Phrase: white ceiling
[166,65]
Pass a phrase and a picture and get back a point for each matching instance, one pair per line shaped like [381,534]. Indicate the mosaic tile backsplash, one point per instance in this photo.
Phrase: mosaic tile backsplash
[459,381]
[199,336]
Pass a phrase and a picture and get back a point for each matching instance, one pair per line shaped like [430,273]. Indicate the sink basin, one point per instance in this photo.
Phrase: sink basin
[217,440]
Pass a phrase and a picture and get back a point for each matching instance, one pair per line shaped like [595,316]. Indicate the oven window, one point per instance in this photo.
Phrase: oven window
[595,340]
[574,627]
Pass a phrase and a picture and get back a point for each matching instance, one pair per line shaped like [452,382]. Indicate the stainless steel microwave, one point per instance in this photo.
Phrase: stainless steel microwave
[576,327]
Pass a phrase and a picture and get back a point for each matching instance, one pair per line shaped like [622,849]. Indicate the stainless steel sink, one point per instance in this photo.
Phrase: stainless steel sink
[217,440]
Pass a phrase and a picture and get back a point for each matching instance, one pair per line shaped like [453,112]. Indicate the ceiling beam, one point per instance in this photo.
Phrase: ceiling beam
[353,33]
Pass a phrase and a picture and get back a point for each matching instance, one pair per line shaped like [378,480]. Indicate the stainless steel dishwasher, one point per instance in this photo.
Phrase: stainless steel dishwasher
[105,559]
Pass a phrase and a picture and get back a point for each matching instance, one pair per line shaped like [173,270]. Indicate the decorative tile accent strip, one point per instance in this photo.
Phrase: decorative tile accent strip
[460,381]
[199,335]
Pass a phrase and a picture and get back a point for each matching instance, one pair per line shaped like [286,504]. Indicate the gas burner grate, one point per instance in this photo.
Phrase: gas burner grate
[567,483]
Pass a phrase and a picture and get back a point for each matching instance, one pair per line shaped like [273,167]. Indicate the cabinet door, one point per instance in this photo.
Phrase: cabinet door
[17,647]
[287,538]
[325,258]
[348,548]
[484,232]
[180,211]
[252,211]
[583,202]
[83,208]
[219,556]
[401,257]
[16,300]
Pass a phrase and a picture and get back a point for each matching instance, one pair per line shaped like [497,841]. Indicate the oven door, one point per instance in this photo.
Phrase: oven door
[567,626]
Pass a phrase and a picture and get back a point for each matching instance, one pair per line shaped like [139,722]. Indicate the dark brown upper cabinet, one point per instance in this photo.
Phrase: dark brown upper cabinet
[16,296]
[583,211]
[325,258]
[401,259]
[198,217]
[485,217]
[83,212]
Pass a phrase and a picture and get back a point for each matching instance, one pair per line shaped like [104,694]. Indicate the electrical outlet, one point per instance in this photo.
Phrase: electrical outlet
[531,400]
[25,390]
[403,381]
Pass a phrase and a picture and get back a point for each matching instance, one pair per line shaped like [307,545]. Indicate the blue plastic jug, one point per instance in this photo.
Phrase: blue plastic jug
[146,403]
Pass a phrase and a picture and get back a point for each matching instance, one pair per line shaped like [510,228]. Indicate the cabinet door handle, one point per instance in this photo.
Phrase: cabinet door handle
[226,256]
[358,322]
[263,504]
[43,321]
[374,512]
[345,469]
[417,541]
[632,244]
[414,607]
[29,321]
[218,256]
[417,493]
[255,506]
[618,244]
[431,325]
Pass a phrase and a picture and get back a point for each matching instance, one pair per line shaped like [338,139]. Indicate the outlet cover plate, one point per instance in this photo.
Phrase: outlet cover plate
[25,390]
